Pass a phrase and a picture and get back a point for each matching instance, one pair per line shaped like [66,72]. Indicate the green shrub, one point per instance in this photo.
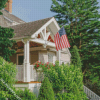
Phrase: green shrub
[2,95]
[67,78]
[26,94]
[46,91]
[7,77]
[7,72]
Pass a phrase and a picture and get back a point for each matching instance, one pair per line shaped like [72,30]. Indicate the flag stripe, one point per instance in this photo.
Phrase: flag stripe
[61,42]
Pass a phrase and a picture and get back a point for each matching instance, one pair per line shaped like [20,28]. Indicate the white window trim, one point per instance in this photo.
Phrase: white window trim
[19,55]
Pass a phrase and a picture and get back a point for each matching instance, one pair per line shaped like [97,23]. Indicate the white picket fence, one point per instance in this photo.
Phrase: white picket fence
[90,94]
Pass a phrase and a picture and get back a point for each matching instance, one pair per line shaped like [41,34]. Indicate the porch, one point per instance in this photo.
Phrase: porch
[35,76]
[36,44]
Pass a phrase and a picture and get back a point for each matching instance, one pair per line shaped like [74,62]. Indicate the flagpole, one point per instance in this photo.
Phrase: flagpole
[59,52]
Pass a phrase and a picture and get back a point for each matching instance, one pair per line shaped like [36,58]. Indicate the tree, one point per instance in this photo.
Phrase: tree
[2,4]
[6,43]
[5,38]
[46,91]
[75,57]
[81,20]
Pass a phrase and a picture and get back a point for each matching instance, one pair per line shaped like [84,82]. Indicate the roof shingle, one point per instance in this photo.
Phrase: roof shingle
[27,29]
[11,16]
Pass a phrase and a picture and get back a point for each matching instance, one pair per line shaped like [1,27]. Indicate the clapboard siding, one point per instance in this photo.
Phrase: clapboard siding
[13,58]
[33,56]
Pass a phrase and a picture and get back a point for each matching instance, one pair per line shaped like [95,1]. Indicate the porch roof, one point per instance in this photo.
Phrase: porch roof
[27,29]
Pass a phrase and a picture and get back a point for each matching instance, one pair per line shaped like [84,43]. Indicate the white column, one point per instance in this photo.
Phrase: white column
[58,56]
[26,73]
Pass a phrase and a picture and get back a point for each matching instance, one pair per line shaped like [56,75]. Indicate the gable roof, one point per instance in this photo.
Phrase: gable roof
[28,29]
[11,16]
[2,21]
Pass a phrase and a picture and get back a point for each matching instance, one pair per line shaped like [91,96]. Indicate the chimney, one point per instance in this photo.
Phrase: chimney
[9,6]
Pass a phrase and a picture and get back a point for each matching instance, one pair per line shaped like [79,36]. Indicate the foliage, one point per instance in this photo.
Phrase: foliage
[46,91]
[75,57]
[2,4]
[68,96]
[93,79]
[5,38]
[82,25]
[66,78]
[2,95]
[7,71]
[7,74]
[39,64]
[6,43]
[26,94]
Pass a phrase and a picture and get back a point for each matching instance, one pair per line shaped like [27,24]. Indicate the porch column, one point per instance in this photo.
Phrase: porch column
[58,56]
[26,70]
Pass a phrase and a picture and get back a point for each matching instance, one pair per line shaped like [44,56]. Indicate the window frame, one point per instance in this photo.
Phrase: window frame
[18,56]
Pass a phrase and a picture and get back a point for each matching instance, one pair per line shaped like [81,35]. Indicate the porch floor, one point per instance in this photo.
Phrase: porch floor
[21,82]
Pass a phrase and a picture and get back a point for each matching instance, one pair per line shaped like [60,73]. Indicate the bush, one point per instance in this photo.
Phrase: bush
[2,95]
[46,91]
[26,94]
[66,79]
[7,72]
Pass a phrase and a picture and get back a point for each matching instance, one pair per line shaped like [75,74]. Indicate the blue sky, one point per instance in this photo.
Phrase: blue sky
[31,10]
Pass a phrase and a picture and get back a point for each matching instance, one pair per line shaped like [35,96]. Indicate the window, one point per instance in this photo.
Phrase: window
[20,58]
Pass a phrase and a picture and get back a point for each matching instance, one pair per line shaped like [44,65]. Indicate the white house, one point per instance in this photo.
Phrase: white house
[35,42]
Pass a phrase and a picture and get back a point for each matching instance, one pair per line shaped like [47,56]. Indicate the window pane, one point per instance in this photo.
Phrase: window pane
[20,60]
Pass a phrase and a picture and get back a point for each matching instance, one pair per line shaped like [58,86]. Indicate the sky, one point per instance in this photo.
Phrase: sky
[32,10]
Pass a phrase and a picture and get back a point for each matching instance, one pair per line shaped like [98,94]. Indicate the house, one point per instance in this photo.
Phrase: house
[35,42]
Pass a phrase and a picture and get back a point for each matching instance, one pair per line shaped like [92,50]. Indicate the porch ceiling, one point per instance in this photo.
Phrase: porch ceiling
[20,45]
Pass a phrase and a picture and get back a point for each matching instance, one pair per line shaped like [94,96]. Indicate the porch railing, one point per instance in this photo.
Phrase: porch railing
[90,94]
[19,75]
[32,73]
[35,75]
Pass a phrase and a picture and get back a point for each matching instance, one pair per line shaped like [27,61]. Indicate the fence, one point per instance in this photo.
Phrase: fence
[90,94]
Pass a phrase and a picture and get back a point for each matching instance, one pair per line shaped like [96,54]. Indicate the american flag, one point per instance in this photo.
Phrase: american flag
[61,40]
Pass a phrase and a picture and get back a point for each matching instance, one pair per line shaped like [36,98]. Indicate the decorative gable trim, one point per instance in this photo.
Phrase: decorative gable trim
[44,27]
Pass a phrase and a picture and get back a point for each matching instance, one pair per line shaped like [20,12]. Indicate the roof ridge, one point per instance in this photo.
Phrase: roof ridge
[40,19]
[30,22]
